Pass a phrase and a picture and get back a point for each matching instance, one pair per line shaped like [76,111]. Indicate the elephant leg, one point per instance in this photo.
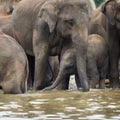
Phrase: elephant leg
[41,63]
[54,63]
[114,74]
[16,81]
[77,81]
[11,87]
[114,60]
[103,74]
[40,72]
[102,80]
[41,50]
[92,72]
[49,75]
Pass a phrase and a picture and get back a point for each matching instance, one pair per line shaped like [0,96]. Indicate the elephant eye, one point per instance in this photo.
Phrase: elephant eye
[70,22]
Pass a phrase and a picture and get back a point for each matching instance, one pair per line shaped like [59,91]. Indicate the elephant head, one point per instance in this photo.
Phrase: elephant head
[111,9]
[69,18]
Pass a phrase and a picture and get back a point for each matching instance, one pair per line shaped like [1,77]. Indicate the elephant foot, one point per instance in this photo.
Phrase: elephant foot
[115,85]
[85,90]
[102,84]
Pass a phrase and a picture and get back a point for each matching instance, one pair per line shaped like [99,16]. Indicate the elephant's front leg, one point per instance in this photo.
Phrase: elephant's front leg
[114,73]
[41,57]
[114,60]
[41,52]
[103,71]
[92,73]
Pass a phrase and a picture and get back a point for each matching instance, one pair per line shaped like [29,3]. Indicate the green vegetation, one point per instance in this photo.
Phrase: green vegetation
[98,2]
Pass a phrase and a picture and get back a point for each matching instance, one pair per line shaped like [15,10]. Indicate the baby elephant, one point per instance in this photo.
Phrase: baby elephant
[13,66]
[97,56]
[97,61]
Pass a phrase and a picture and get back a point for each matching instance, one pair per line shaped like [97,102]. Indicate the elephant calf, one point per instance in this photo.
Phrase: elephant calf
[97,56]
[13,66]
[97,60]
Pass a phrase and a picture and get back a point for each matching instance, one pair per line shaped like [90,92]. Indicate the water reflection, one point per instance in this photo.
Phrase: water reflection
[57,105]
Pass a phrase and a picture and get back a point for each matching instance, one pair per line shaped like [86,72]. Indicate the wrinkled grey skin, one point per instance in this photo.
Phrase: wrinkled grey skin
[5,27]
[98,23]
[4,21]
[67,67]
[13,66]
[97,59]
[7,6]
[38,23]
[111,10]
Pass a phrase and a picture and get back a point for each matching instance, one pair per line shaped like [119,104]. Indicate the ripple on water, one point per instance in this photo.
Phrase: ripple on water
[36,112]
[11,114]
[70,109]
[8,118]
[116,117]
[96,117]
[60,99]
[61,105]
[112,106]
[13,105]
[36,103]
[49,117]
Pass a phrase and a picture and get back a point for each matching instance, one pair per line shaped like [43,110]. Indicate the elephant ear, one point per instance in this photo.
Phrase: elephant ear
[49,13]
[109,11]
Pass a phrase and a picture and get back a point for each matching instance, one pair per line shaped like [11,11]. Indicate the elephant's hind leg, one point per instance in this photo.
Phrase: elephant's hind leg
[10,87]
[15,79]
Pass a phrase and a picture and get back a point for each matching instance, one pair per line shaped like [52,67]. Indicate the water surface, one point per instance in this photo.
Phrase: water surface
[57,105]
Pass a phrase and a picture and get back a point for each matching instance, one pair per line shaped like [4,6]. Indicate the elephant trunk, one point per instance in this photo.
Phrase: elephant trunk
[81,63]
[80,43]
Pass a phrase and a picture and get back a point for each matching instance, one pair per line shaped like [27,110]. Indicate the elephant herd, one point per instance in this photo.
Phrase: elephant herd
[43,42]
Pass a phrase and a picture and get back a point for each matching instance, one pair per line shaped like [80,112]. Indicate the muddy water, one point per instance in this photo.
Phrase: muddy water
[61,105]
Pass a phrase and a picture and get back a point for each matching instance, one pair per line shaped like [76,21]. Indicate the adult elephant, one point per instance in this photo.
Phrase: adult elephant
[7,6]
[37,25]
[111,10]
[13,66]
[6,27]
